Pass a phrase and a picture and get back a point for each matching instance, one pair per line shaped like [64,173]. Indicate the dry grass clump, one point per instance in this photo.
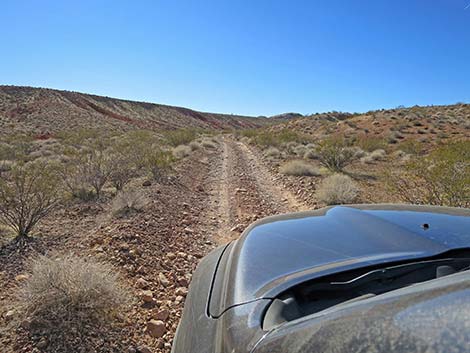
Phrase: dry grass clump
[127,202]
[272,152]
[337,189]
[209,143]
[377,155]
[299,168]
[194,145]
[181,151]
[67,298]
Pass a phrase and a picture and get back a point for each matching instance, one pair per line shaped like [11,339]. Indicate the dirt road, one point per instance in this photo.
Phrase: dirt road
[243,190]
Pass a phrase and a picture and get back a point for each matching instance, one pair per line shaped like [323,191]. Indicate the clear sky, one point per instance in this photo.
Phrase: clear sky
[254,57]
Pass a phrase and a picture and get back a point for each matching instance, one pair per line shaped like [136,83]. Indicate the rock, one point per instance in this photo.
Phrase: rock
[163,280]
[141,283]
[147,183]
[144,349]
[188,230]
[181,291]
[9,315]
[22,277]
[155,328]
[131,350]
[237,228]
[179,299]
[163,315]
[147,296]
[171,255]
[182,281]
[42,343]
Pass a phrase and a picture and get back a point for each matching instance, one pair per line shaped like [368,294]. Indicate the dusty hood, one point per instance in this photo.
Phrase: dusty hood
[278,252]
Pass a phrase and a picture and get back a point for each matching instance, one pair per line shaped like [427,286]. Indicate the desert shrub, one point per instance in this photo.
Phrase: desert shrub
[97,168]
[335,154]
[158,162]
[194,145]
[272,152]
[377,155]
[300,150]
[299,168]
[311,154]
[88,171]
[5,166]
[411,146]
[358,152]
[337,189]
[209,143]
[180,137]
[68,298]
[122,170]
[181,151]
[127,202]
[28,194]
[371,143]
[441,178]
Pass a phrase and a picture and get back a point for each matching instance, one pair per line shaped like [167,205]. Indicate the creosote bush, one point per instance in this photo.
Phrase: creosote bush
[180,137]
[158,162]
[337,189]
[299,168]
[66,295]
[441,178]
[335,154]
[28,194]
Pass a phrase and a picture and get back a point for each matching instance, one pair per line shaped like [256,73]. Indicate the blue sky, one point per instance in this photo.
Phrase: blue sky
[254,57]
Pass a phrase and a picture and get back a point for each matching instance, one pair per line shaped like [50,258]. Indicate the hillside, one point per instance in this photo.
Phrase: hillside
[429,124]
[45,111]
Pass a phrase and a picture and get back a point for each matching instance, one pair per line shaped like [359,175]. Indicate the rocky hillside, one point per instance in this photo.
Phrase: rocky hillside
[45,111]
[430,124]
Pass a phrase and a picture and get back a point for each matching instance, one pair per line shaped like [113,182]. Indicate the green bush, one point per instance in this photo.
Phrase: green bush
[158,162]
[441,178]
[180,137]
[335,154]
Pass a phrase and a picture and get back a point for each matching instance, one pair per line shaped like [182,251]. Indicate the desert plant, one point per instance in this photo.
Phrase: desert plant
[335,154]
[181,151]
[180,137]
[194,145]
[299,168]
[28,194]
[209,143]
[272,152]
[370,143]
[377,155]
[127,202]
[441,178]
[158,162]
[69,297]
[337,189]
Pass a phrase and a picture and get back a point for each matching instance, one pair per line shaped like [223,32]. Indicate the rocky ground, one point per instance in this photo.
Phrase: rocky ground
[211,199]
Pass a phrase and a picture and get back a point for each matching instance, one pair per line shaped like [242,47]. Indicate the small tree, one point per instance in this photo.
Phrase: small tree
[335,154]
[27,195]
[441,178]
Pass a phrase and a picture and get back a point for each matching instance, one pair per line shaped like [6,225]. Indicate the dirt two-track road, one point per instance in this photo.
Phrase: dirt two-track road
[243,190]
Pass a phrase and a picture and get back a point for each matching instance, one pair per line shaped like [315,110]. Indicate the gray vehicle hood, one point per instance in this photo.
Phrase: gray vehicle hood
[278,252]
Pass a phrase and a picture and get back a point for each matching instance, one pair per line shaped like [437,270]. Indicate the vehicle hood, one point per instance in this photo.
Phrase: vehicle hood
[278,252]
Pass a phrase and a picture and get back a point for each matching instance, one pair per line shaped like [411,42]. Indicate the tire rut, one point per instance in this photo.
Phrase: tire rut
[243,191]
